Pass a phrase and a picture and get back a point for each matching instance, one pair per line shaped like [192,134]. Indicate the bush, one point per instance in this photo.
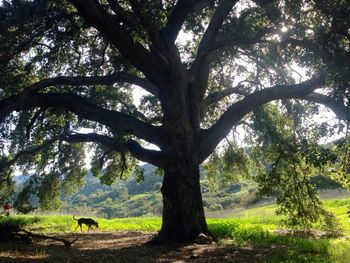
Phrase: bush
[249,199]
[230,200]
[215,207]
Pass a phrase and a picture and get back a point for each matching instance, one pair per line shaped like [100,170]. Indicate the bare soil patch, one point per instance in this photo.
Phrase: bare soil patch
[127,246]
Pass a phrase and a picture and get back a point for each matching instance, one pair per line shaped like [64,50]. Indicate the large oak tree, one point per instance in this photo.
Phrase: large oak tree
[205,66]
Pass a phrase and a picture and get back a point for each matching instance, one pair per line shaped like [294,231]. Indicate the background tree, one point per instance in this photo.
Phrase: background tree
[72,65]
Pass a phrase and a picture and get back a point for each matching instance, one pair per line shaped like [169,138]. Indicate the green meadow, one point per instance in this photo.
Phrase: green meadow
[259,227]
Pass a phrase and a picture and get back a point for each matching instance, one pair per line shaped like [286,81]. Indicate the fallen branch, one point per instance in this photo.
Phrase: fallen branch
[12,232]
[66,242]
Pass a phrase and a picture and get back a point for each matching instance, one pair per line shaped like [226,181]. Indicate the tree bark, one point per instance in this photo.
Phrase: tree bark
[183,212]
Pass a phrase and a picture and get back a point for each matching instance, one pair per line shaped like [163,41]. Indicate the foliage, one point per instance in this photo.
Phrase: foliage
[49,194]
[286,163]
[7,186]
[341,169]
[232,165]
[68,78]
[291,160]
[23,202]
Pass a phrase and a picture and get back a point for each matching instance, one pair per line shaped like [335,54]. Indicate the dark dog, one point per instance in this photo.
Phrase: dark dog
[89,222]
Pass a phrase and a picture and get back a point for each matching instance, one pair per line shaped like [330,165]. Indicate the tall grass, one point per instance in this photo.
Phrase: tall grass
[52,223]
[43,223]
[136,223]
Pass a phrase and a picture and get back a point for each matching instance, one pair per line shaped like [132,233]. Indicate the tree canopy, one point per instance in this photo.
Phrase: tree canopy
[72,72]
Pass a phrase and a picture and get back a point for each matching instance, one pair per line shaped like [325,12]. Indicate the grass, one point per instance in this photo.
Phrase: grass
[258,226]
[254,227]
[55,223]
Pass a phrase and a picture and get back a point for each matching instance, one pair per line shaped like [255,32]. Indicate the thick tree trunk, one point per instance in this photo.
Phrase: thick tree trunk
[183,213]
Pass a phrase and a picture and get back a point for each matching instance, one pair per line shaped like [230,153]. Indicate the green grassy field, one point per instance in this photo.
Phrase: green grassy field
[252,227]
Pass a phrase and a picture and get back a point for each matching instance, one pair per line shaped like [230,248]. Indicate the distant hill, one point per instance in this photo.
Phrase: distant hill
[147,185]
[122,199]
[150,183]
[127,198]
[143,198]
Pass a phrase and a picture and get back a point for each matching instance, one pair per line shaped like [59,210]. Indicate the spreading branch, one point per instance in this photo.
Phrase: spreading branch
[111,144]
[116,120]
[217,96]
[93,80]
[212,136]
[222,41]
[200,68]
[131,146]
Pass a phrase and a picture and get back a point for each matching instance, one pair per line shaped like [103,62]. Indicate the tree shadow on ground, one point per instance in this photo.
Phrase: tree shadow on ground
[133,246]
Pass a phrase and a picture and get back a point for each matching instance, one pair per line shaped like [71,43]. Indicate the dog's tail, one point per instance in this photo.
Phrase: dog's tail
[75,218]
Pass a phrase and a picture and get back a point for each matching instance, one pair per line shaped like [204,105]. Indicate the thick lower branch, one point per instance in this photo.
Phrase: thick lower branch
[78,105]
[131,146]
[154,157]
[212,136]
[222,41]
[93,80]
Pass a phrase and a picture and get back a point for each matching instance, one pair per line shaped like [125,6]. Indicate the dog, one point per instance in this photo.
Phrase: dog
[89,222]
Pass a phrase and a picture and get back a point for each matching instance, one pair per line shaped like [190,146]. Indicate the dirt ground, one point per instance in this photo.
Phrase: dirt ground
[126,246]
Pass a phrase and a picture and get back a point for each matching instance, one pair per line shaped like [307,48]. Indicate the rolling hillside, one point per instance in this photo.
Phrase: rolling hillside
[143,198]
[134,198]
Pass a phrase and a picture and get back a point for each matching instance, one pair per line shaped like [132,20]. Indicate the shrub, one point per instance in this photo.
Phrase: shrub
[215,207]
